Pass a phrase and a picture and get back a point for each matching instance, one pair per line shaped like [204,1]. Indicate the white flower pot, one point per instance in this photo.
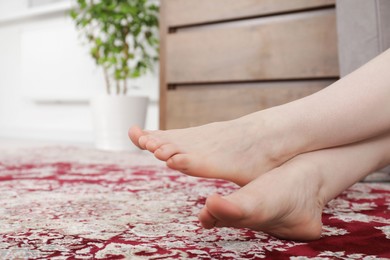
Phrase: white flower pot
[113,116]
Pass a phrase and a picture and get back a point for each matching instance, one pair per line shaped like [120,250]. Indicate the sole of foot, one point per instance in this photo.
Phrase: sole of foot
[285,202]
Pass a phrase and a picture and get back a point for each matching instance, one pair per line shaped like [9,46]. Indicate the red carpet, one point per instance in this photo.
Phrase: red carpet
[68,203]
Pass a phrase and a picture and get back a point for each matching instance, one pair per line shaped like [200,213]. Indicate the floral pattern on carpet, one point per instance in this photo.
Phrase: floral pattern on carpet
[70,203]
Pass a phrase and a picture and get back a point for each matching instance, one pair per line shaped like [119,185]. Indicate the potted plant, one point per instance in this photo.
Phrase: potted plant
[123,39]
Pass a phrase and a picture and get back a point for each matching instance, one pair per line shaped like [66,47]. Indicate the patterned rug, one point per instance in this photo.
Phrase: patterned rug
[72,203]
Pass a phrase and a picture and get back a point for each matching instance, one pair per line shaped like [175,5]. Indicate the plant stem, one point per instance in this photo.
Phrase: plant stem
[107,79]
[125,32]
[124,87]
[118,87]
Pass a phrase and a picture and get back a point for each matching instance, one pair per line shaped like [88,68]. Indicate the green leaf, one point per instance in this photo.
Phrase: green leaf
[73,14]
[120,31]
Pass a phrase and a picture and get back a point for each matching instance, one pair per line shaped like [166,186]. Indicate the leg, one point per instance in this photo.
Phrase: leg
[242,149]
[287,202]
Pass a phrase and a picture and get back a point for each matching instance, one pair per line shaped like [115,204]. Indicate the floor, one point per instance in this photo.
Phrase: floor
[62,201]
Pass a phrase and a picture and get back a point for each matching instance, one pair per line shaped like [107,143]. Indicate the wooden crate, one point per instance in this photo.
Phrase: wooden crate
[222,59]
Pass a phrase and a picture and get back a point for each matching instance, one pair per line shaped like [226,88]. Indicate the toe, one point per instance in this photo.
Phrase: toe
[207,220]
[166,151]
[180,162]
[134,134]
[152,144]
[142,141]
[220,212]
[224,210]
[188,164]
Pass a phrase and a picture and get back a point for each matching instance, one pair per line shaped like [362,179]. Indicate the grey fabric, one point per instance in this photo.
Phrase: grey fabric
[363,28]
[363,31]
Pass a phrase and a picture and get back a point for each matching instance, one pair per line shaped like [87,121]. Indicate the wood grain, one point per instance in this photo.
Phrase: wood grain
[189,12]
[200,104]
[162,61]
[302,45]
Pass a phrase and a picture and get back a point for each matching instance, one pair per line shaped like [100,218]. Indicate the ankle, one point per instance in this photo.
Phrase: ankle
[292,129]
[313,177]
[280,137]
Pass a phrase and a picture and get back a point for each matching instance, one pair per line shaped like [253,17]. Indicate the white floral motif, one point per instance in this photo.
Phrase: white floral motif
[385,230]
[349,217]
[344,205]
[333,231]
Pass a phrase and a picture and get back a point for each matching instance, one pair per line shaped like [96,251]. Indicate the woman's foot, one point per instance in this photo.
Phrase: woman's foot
[287,202]
[239,150]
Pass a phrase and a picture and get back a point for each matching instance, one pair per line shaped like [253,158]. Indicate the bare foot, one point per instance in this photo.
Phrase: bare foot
[287,202]
[284,202]
[237,150]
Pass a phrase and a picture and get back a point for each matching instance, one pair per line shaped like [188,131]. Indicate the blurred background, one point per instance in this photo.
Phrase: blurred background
[219,60]
[47,76]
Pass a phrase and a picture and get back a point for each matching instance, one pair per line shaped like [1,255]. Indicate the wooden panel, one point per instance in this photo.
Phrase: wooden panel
[200,104]
[187,12]
[302,45]
[162,68]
